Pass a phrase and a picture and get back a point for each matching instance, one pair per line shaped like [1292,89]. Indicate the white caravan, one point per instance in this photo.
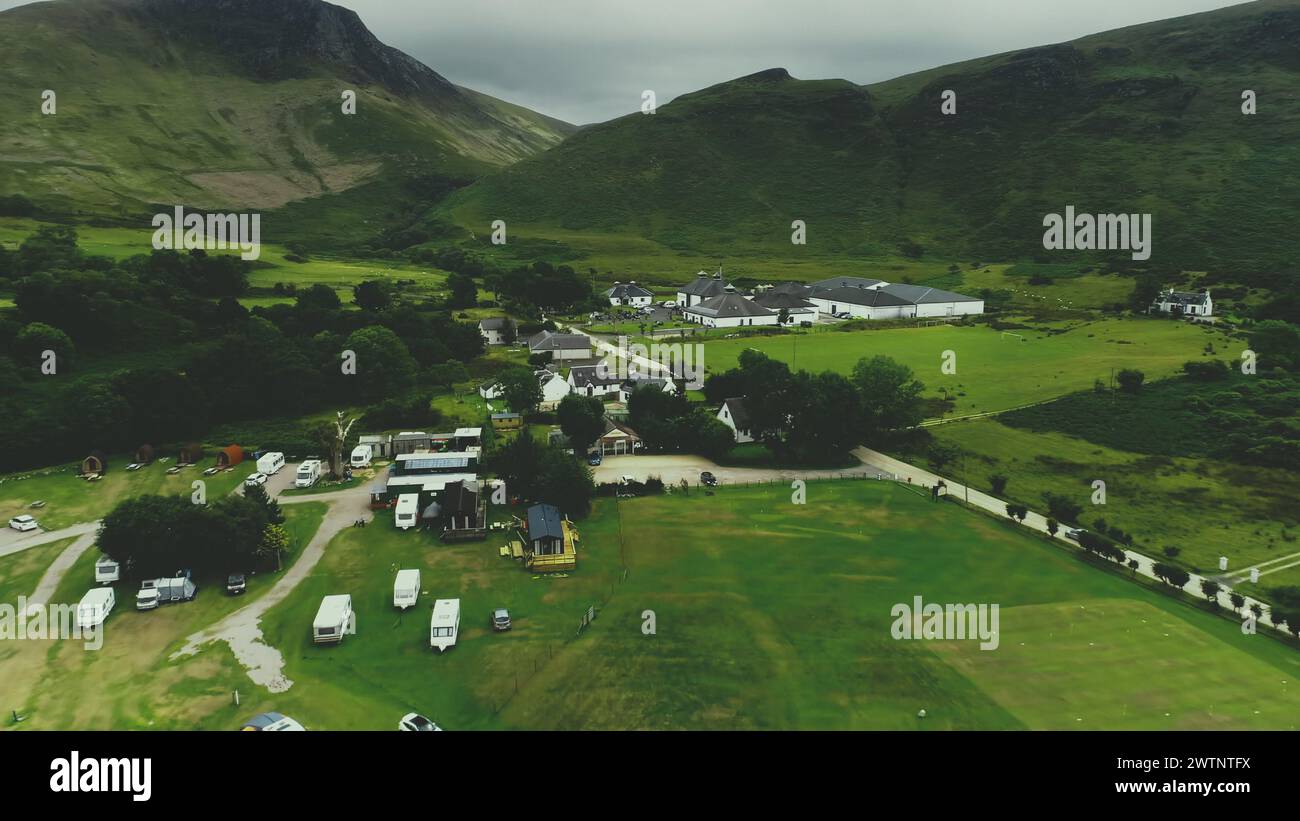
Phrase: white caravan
[308,473]
[406,590]
[445,624]
[95,607]
[361,456]
[270,463]
[107,571]
[334,620]
[408,511]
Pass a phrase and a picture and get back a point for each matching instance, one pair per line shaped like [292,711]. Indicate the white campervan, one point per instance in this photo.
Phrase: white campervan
[95,607]
[334,620]
[107,571]
[445,624]
[361,456]
[308,473]
[406,590]
[270,463]
[407,513]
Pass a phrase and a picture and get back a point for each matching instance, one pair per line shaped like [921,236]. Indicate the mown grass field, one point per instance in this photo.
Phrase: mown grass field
[129,682]
[1206,508]
[768,615]
[994,371]
[70,499]
[20,572]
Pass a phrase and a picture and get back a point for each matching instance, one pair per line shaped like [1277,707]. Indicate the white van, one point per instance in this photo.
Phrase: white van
[408,511]
[95,607]
[445,624]
[270,463]
[361,456]
[334,620]
[406,590]
[107,571]
[308,473]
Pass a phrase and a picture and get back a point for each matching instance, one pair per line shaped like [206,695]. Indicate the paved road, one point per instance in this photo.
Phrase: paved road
[242,630]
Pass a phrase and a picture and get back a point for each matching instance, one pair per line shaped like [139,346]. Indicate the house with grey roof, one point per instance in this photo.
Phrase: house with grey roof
[630,294]
[560,346]
[796,308]
[497,330]
[1186,303]
[701,288]
[730,310]
[735,415]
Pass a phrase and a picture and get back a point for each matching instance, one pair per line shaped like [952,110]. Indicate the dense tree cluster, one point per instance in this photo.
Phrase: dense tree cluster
[806,416]
[539,473]
[668,423]
[156,536]
[158,349]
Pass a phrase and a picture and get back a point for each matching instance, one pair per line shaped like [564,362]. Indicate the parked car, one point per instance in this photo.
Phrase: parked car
[236,584]
[1073,533]
[256,479]
[670,304]
[500,619]
[23,523]
[594,458]
[416,723]
[843,315]
[707,478]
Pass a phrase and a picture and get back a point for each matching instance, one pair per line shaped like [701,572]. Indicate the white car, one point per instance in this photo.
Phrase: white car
[255,480]
[670,304]
[23,523]
[416,723]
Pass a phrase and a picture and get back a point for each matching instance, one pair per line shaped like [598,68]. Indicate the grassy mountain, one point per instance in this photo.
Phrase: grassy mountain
[1142,119]
[230,103]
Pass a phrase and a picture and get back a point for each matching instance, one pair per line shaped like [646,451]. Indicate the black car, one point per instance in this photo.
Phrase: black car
[707,478]
[235,584]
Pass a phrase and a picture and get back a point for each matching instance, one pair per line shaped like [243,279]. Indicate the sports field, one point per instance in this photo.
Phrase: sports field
[768,615]
[994,370]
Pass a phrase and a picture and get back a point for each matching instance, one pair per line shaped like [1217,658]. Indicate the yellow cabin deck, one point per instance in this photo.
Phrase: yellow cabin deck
[565,560]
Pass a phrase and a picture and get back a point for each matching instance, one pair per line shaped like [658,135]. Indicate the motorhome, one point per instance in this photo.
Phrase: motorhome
[361,456]
[107,571]
[270,463]
[406,590]
[407,513]
[334,620]
[95,607]
[154,592]
[445,624]
[309,473]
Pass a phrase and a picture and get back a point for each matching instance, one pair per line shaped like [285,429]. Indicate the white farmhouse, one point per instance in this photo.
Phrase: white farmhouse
[730,310]
[587,380]
[497,330]
[1187,303]
[631,294]
[554,389]
[734,415]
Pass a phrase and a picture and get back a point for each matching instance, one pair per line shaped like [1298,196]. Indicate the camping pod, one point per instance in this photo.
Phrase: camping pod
[144,454]
[190,453]
[96,462]
[230,456]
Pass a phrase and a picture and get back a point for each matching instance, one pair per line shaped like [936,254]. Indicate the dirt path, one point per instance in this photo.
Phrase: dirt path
[57,570]
[12,542]
[672,468]
[242,630]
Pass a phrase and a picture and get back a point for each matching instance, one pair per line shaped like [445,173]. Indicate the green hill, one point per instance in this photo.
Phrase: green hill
[230,104]
[1143,119]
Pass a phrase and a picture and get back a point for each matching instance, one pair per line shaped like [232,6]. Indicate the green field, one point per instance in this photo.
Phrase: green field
[70,500]
[20,572]
[130,682]
[994,371]
[1206,508]
[768,615]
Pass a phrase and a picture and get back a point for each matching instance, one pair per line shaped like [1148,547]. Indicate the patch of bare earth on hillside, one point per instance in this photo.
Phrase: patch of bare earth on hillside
[269,189]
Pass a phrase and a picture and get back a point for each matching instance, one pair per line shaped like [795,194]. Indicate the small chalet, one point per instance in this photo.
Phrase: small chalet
[551,540]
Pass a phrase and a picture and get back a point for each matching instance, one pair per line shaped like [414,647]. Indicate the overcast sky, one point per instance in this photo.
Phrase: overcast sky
[589,60]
